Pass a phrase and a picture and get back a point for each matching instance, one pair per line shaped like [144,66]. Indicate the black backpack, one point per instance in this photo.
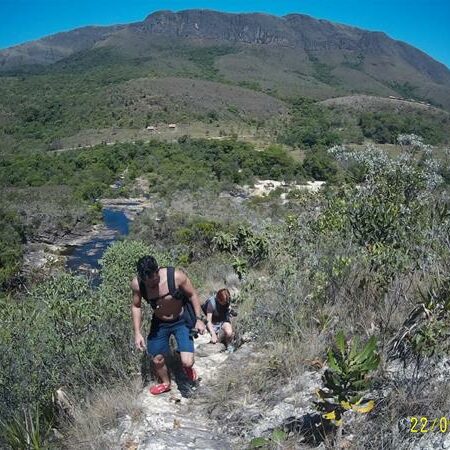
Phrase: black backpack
[178,294]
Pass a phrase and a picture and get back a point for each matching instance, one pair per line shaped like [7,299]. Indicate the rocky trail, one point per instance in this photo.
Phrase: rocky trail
[177,419]
[180,419]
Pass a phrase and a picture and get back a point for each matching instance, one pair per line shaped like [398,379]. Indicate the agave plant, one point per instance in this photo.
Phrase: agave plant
[346,380]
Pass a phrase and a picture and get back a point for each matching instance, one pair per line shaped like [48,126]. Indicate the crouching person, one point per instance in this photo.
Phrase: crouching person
[218,318]
[167,290]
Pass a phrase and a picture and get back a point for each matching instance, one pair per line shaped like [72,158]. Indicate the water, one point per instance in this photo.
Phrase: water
[116,220]
[85,258]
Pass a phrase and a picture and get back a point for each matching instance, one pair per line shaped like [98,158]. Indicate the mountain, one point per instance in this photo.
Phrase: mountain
[283,56]
[53,48]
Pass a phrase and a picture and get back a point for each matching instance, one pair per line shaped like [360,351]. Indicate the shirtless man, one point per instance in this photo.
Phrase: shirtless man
[152,284]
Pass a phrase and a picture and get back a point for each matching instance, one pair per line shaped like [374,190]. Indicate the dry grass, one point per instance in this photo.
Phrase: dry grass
[388,427]
[199,97]
[213,273]
[257,378]
[95,422]
[194,129]
[371,103]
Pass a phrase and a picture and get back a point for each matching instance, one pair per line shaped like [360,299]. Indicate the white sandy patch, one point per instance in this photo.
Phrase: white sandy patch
[264,187]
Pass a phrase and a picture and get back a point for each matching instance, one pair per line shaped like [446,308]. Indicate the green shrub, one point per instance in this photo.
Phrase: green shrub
[312,126]
[388,215]
[384,127]
[346,380]
[198,233]
[65,334]
[320,166]
[12,238]
[119,266]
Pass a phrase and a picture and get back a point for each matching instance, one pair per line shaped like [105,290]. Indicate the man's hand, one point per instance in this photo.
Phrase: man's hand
[200,326]
[213,339]
[139,341]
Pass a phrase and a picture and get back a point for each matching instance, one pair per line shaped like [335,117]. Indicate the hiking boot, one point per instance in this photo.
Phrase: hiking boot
[191,373]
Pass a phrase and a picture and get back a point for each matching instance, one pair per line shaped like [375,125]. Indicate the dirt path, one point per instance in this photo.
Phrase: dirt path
[174,420]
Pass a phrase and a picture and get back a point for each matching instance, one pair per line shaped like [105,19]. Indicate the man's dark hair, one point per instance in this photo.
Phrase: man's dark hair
[146,266]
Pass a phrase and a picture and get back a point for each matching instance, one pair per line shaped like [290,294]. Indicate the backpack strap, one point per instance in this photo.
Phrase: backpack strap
[219,310]
[212,301]
[171,280]
[175,292]
[142,289]
[188,310]
[205,305]
[144,294]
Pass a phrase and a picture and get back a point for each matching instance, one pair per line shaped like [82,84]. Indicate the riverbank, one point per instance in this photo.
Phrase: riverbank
[131,207]
[81,249]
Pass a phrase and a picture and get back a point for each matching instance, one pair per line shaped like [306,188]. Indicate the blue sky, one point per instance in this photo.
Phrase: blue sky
[422,23]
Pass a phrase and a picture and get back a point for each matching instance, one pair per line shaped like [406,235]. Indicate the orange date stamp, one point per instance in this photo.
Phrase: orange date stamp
[429,425]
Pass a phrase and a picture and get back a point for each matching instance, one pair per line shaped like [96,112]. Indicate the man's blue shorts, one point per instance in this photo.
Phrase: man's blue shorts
[158,339]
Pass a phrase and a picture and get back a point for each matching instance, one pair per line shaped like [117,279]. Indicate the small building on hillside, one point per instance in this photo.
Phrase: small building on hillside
[151,128]
[172,126]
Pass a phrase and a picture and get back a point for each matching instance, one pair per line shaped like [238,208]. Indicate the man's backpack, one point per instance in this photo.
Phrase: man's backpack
[178,294]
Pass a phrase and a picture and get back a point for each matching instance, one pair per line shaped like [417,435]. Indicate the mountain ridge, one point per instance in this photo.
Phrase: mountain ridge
[290,55]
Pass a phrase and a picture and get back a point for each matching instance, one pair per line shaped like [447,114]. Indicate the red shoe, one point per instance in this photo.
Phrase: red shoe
[159,388]
[191,373]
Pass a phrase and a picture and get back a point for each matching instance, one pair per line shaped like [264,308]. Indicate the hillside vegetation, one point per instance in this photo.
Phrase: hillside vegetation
[294,55]
[357,258]
[349,283]
[203,66]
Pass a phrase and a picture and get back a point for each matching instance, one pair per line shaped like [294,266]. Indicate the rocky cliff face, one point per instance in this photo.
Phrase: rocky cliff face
[235,28]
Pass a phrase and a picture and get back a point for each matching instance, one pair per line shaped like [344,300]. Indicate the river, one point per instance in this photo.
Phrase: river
[85,258]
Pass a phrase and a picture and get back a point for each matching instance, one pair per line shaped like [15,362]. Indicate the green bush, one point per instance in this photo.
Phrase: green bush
[190,165]
[12,238]
[384,127]
[320,166]
[119,267]
[65,334]
[312,126]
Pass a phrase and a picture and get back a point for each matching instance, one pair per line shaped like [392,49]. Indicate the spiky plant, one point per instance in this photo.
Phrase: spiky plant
[346,380]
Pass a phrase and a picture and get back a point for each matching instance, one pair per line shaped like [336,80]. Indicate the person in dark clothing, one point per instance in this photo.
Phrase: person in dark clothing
[218,318]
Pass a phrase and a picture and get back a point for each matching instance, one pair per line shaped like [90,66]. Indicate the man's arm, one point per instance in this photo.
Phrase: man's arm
[185,284]
[137,315]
